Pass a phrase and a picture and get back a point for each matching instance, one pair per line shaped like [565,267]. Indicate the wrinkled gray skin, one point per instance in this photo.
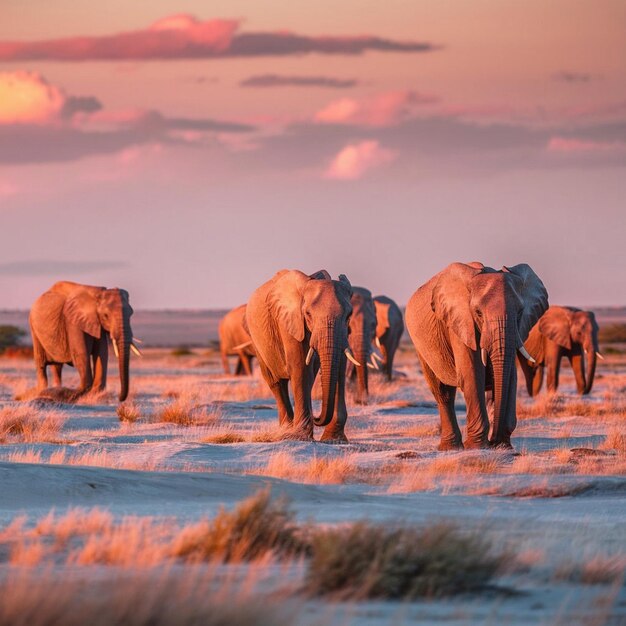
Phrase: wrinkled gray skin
[235,341]
[362,333]
[561,331]
[287,315]
[71,324]
[462,311]
[389,329]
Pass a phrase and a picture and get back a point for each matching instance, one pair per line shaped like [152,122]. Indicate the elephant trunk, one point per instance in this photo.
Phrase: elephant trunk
[123,339]
[591,348]
[330,351]
[502,355]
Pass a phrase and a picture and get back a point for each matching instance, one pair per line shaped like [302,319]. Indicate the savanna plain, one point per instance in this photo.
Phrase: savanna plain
[185,505]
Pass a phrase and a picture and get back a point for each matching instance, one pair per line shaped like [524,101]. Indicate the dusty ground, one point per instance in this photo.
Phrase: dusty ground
[557,503]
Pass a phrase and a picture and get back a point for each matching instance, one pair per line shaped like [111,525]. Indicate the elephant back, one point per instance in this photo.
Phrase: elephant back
[232,330]
[47,322]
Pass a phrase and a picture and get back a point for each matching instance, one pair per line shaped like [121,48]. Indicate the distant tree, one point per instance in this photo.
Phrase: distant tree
[10,336]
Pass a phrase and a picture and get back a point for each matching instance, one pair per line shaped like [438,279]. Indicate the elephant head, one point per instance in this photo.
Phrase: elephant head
[314,310]
[492,312]
[97,309]
[569,328]
[362,333]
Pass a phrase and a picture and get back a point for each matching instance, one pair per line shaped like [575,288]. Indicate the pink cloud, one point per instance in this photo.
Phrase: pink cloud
[27,98]
[570,145]
[355,160]
[384,109]
[186,37]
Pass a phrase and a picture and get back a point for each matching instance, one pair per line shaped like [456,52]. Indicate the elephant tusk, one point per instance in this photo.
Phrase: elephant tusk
[309,355]
[483,356]
[117,352]
[371,366]
[351,357]
[377,358]
[378,343]
[374,363]
[241,346]
[135,340]
[599,356]
[525,354]
[135,349]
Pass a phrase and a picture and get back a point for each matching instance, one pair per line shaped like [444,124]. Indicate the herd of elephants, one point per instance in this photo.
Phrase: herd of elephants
[469,325]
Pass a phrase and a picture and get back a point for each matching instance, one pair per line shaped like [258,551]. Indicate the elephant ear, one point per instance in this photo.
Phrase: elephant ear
[556,324]
[81,309]
[534,296]
[320,275]
[382,317]
[450,301]
[285,302]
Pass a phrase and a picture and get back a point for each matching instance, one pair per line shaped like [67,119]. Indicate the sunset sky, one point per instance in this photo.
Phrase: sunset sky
[186,156]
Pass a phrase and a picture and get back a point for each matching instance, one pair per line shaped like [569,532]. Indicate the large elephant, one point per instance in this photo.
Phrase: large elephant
[235,341]
[467,323]
[71,323]
[389,329]
[299,323]
[561,331]
[361,337]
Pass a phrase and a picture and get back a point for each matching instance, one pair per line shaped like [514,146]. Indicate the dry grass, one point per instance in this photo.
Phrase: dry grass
[365,560]
[185,412]
[27,423]
[615,440]
[598,570]
[128,412]
[318,470]
[558,405]
[28,598]
[225,437]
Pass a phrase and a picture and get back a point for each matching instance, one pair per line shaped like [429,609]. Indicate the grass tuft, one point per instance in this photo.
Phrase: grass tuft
[26,423]
[365,560]
[128,412]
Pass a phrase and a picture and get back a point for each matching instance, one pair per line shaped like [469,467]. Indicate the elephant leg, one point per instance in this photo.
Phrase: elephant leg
[80,351]
[302,383]
[444,396]
[529,374]
[578,365]
[553,363]
[57,369]
[245,362]
[472,378]
[280,391]
[40,364]
[334,432]
[537,380]
[100,356]
[225,364]
[239,368]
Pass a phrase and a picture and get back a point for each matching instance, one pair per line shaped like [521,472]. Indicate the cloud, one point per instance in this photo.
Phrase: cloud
[40,123]
[274,80]
[48,267]
[355,160]
[573,77]
[186,37]
[573,145]
[384,109]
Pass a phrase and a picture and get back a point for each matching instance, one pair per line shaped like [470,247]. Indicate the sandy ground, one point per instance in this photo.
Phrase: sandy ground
[557,501]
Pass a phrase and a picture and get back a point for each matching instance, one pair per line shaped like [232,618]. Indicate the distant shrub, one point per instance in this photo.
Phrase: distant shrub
[612,333]
[366,560]
[128,412]
[181,351]
[10,336]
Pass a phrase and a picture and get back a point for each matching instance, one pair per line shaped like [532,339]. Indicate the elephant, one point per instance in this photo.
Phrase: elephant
[389,330]
[299,324]
[71,323]
[235,340]
[360,338]
[467,323]
[561,331]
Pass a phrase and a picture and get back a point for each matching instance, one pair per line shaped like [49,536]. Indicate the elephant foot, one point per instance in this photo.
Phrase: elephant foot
[481,444]
[334,436]
[504,444]
[361,401]
[446,446]
[298,433]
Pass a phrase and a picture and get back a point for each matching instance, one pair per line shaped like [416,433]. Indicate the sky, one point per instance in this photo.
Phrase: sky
[186,151]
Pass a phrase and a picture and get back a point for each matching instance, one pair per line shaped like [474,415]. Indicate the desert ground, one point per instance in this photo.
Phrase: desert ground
[101,501]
